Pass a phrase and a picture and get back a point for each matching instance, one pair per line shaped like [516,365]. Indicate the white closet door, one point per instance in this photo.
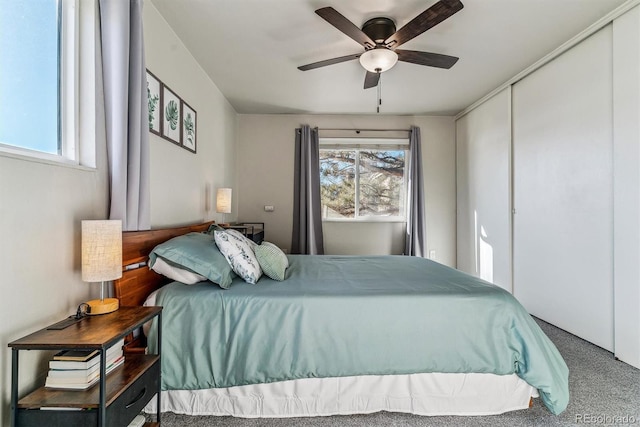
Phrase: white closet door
[483,157]
[626,187]
[563,232]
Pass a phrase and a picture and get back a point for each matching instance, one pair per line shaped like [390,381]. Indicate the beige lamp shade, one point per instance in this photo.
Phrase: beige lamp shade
[101,250]
[223,200]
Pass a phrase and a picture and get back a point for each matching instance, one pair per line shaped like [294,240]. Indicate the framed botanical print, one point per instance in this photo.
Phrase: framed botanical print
[171,115]
[189,127]
[154,101]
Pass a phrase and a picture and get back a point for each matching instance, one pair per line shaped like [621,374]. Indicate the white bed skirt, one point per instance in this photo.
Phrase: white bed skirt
[420,394]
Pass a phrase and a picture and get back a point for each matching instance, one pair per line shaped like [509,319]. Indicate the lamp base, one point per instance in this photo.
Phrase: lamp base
[108,305]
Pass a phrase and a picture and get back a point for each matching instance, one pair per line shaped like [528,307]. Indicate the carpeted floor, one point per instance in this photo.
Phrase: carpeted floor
[603,392]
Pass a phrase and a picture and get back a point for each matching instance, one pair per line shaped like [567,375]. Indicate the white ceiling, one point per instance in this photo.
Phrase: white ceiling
[251,50]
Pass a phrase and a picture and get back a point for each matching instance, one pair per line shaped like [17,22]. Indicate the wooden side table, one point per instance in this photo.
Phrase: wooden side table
[116,399]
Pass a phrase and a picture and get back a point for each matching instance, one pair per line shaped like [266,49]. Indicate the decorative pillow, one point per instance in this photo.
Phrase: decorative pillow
[176,273]
[239,254]
[272,260]
[241,236]
[195,252]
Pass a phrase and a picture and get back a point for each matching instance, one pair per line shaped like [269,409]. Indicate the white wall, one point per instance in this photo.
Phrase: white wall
[181,180]
[41,206]
[265,177]
[365,238]
[483,166]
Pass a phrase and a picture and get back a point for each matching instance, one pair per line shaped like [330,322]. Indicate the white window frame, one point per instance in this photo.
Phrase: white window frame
[369,144]
[77,37]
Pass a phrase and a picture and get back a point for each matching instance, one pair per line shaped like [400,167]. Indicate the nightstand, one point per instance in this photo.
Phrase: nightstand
[252,230]
[114,401]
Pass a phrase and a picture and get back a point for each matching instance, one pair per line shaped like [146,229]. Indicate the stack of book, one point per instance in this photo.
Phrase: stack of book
[80,369]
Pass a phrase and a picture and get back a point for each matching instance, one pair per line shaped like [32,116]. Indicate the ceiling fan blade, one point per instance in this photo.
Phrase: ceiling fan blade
[426,58]
[336,19]
[329,62]
[371,79]
[421,23]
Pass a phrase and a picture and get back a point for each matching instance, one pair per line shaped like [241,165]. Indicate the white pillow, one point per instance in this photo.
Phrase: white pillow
[241,236]
[239,254]
[176,273]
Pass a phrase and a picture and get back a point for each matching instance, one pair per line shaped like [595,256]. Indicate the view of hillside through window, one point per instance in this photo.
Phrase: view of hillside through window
[361,183]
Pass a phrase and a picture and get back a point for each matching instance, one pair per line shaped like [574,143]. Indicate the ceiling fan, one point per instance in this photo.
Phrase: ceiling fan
[380,40]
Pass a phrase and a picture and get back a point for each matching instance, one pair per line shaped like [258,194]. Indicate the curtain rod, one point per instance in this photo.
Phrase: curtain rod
[365,130]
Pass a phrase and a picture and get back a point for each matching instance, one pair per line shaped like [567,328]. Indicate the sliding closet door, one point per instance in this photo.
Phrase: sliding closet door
[562,142]
[483,156]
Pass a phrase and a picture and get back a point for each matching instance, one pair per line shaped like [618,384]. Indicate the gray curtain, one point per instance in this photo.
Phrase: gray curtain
[416,237]
[126,112]
[307,218]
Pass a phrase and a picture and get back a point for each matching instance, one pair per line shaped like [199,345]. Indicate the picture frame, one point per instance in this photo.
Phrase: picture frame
[189,127]
[171,115]
[154,99]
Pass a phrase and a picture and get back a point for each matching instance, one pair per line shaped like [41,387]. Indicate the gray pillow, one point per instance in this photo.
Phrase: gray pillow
[196,252]
[272,260]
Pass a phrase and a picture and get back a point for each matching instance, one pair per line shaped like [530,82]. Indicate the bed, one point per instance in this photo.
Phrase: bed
[342,335]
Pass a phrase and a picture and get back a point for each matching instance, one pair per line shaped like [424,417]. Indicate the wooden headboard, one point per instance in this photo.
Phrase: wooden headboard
[138,282]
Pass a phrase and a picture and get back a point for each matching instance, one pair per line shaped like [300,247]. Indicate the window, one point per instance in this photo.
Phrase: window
[363,180]
[37,53]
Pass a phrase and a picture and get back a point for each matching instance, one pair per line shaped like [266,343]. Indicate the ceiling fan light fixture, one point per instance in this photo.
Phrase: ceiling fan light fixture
[378,60]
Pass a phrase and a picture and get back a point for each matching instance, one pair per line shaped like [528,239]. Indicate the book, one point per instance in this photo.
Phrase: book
[57,363]
[76,355]
[80,374]
[55,372]
[56,383]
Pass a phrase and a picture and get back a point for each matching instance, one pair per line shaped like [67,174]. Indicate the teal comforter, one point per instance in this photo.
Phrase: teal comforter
[341,316]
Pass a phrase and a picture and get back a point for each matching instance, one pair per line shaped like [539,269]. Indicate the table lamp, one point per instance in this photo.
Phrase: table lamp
[223,202]
[102,259]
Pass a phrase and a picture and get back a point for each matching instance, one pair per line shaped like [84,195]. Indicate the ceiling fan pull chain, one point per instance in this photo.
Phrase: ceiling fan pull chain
[379,94]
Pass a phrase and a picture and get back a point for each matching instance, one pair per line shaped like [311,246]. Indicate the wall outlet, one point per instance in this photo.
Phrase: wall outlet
[269,208]
[432,254]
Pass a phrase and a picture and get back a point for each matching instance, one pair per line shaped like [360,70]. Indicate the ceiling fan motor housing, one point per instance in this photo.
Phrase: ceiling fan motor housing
[379,29]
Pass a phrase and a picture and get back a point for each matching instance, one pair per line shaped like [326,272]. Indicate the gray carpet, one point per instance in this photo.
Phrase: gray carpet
[603,392]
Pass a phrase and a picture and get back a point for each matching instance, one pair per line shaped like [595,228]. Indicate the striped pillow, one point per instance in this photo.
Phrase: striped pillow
[272,260]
